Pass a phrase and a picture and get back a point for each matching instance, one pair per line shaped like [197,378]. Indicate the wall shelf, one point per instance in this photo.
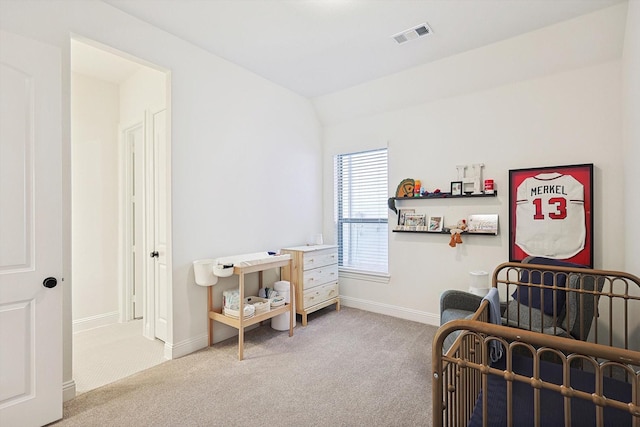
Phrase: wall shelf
[392,200]
[465,233]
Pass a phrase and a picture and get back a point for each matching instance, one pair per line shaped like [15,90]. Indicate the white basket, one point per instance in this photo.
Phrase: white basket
[262,305]
[234,311]
[277,301]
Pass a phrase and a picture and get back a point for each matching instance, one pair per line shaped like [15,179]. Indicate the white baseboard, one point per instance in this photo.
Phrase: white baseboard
[68,390]
[391,310]
[96,321]
[173,351]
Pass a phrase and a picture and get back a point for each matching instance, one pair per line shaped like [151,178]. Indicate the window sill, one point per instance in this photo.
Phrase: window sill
[368,276]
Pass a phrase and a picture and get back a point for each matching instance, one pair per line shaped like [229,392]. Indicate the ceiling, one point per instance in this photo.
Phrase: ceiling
[316,47]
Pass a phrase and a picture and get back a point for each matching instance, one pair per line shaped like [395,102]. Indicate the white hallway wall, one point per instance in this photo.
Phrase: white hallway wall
[550,97]
[145,89]
[246,153]
[95,116]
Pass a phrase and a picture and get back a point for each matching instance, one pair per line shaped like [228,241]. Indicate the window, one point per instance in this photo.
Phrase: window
[361,211]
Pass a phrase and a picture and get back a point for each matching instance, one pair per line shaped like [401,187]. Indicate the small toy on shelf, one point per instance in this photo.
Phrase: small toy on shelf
[456,231]
[406,188]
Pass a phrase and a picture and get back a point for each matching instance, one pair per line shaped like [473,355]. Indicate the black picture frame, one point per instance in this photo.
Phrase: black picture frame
[547,204]
[456,188]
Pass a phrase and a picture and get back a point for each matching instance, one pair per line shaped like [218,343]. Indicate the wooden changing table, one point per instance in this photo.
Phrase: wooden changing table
[245,264]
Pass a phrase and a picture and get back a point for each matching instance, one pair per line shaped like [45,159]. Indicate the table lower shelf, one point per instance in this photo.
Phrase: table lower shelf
[235,323]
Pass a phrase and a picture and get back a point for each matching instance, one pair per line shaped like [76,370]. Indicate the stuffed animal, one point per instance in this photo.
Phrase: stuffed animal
[455,232]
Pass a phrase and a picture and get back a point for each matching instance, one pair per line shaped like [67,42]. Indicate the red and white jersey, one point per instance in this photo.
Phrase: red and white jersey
[550,217]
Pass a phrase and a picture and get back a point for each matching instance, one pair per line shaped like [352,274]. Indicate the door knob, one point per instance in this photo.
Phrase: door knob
[50,282]
[154,254]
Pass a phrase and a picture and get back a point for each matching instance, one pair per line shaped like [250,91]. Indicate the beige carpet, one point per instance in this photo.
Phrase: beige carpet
[346,368]
[109,353]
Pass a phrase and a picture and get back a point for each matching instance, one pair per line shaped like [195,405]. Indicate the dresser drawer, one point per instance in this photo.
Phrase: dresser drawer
[320,294]
[319,276]
[321,258]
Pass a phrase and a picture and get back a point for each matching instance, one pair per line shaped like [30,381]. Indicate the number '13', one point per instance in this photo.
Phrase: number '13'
[560,204]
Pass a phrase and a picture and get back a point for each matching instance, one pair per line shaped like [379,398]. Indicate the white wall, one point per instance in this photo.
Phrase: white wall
[145,89]
[94,150]
[568,114]
[631,150]
[631,95]
[246,153]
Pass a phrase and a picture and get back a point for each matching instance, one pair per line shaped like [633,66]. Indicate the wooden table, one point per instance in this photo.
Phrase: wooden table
[241,269]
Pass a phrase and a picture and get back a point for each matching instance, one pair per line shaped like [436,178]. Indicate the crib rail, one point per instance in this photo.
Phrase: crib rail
[603,308]
[597,331]
[462,372]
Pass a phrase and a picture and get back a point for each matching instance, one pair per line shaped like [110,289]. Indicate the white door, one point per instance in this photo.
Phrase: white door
[161,176]
[30,232]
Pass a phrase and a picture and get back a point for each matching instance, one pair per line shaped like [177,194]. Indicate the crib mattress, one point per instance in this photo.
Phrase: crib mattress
[583,412]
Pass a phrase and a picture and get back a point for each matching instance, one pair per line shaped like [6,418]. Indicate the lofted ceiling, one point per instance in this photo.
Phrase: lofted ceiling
[317,47]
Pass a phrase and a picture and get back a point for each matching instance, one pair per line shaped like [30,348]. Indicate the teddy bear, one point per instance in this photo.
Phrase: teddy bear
[455,232]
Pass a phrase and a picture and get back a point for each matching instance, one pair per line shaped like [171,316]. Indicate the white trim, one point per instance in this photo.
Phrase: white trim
[68,390]
[369,276]
[149,287]
[391,310]
[173,351]
[96,321]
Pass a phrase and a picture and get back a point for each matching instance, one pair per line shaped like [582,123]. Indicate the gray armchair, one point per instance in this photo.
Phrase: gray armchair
[454,305]
[573,319]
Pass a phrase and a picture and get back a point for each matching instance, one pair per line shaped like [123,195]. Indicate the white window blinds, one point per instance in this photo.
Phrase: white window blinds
[361,188]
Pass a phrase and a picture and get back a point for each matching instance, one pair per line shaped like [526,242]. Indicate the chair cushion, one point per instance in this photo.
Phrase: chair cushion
[544,302]
[454,314]
[525,317]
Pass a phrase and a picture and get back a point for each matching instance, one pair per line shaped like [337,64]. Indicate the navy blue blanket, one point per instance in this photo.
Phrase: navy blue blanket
[583,412]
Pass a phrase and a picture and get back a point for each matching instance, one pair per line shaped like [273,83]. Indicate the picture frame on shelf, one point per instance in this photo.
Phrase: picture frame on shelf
[402,214]
[483,224]
[456,188]
[414,222]
[435,223]
[551,213]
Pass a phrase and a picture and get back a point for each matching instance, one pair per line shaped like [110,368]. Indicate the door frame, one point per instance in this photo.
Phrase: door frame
[67,320]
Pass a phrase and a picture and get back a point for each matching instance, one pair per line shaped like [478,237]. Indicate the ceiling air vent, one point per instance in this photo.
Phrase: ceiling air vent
[412,33]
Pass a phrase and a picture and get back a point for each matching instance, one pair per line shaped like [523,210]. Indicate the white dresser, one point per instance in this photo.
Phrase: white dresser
[314,272]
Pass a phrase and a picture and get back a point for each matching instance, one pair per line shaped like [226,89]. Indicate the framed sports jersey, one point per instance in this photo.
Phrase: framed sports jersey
[550,213]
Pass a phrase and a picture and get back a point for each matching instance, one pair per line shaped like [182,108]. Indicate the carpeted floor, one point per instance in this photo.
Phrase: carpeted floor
[346,368]
[109,353]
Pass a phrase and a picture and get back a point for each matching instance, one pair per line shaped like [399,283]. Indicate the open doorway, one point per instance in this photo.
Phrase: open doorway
[119,141]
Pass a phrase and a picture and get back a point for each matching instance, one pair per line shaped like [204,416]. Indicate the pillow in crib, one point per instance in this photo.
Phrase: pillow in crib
[531,296]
